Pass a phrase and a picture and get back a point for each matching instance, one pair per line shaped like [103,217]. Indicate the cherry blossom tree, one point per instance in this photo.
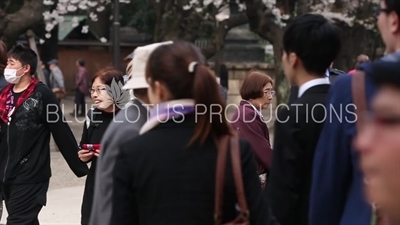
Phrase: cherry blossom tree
[183,19]
[356,18]
[194,19]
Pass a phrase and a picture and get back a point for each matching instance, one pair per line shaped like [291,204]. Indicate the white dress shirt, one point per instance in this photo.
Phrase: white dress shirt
[309,84]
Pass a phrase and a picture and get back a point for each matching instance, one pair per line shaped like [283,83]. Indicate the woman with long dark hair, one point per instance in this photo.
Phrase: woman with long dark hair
[167,175]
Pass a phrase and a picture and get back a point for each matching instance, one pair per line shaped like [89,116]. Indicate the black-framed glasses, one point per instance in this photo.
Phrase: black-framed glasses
[97,90]
[271,93]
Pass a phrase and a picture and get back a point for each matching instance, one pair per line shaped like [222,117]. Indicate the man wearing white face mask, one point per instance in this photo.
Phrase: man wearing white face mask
[29,112]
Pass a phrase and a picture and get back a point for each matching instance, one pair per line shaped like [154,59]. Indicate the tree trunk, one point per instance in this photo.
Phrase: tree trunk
[262,22]
[28,16]
[357,40]
[175,23]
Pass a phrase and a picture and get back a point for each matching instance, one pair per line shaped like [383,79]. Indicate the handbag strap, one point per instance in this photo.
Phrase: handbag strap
[220,178]
[359,99]
[237,176]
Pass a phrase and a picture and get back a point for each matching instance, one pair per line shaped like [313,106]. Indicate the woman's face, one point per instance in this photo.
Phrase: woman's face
[100,96]
[265,100]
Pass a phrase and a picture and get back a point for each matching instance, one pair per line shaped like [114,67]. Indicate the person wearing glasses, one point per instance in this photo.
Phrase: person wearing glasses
[105,95]
[257,93]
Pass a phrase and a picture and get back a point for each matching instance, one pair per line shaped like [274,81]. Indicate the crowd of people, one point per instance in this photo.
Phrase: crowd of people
[151,157]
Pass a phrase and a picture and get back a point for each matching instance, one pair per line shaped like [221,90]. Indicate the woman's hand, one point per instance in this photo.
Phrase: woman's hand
[85,155]
[96,152]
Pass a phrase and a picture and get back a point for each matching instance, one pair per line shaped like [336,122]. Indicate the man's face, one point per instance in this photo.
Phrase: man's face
[17,65]
[379,146]
[388,25]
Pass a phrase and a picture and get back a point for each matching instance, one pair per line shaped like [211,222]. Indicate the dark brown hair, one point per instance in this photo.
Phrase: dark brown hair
[253,84]
[169,65]
[108,74]
[3,57]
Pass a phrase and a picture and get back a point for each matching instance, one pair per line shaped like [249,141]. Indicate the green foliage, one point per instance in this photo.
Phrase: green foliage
[140,15]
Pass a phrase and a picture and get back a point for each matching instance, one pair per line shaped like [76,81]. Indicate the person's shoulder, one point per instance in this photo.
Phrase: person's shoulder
[131,113]
[43,89]
[342,87]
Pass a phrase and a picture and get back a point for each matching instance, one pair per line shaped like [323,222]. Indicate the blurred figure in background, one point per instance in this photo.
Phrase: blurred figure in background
[56,80]
[80,89]
[360,59]
[224,80]
[46,74]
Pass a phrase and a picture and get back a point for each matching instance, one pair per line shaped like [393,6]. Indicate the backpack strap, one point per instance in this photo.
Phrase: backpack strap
[359,96]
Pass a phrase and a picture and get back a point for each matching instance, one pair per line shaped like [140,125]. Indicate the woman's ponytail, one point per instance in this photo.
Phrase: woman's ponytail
[210,107]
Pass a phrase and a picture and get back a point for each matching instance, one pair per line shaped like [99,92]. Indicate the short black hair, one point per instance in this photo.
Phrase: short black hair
[315,40]
[386,74]
[393,5]
[81,62]
[25,55]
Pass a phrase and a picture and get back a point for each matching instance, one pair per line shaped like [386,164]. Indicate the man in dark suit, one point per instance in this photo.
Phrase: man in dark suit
[310,44]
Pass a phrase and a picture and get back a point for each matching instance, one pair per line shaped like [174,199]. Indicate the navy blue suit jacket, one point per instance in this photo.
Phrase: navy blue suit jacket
[337,195]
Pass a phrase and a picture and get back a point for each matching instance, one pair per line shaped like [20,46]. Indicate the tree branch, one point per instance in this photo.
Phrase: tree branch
[221,32]
[29,15]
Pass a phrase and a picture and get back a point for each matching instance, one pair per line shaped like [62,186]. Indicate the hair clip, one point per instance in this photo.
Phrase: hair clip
[192,65]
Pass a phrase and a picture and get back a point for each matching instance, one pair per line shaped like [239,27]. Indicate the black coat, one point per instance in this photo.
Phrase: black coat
[159,181]
[92,135]
[296,135]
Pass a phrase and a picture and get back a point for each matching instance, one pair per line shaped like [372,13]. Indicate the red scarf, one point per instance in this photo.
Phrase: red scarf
[26,94]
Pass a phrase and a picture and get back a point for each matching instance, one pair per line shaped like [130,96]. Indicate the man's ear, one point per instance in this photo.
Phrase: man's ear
[293,59]
[394,23]
[27,69]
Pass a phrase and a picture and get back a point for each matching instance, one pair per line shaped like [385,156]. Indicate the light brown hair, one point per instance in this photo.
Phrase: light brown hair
[253,84]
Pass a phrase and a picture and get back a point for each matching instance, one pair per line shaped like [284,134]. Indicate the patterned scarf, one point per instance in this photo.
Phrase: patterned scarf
[6,93]
[165,111]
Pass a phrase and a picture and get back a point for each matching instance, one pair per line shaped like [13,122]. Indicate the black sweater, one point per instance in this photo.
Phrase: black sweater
[93,134]
[25,143]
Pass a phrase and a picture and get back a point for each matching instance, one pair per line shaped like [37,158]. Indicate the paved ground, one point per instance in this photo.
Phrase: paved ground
[64,197]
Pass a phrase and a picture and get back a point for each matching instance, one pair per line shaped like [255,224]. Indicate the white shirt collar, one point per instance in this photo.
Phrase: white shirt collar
[327,72]
[309,84]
